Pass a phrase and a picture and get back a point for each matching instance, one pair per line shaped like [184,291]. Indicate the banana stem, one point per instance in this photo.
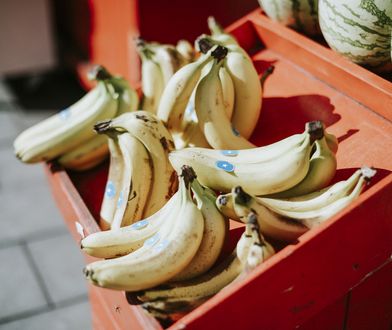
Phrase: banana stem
[219,53]
[240,196]
[315,129]
[99,73]
[266,74]
[102,126]
[205,44]
[368,173]
[188,174]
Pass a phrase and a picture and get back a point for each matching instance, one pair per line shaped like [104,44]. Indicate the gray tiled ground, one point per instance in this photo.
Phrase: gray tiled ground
[61,271]
[73,317]
[20,290]
[41,281]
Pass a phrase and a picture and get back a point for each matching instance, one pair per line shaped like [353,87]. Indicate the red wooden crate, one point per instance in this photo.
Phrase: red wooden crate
[337,275]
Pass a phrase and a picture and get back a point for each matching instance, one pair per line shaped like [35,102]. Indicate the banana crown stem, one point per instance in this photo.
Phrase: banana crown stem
[188,175]
[240,196]
[99,72]
[368,173]
[315,129]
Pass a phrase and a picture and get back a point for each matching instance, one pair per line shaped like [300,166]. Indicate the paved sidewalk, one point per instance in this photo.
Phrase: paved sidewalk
[41,281]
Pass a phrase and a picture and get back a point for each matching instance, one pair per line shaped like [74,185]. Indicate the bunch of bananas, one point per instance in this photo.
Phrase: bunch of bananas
[68,136]
[178,246]
[287,219]
[159,63]
[214,101]
[141,178]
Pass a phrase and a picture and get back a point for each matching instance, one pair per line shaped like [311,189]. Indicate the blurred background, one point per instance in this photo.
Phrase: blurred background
[46,48]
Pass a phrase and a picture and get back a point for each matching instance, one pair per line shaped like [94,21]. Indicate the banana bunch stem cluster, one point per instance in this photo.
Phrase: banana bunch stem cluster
[181,241]
[159,63]
[141,179]
[287,219]
[68,136]
[170,301]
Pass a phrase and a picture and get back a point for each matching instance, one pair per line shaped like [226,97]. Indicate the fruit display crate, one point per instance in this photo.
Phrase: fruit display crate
[336,276]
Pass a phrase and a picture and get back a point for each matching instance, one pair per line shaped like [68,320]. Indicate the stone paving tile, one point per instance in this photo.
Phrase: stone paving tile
[16,175]
[74,317]
[27,209]
[60,263]
[20,290]
[9,117]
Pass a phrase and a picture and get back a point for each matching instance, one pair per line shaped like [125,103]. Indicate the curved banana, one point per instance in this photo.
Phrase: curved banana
[178,91]
[184,47]
[120,242]
[136,181]
[225,205]
[270,224]
[260,178]
[169,60]
[54,122]
[153,82]
[74,129]
[87,155]
[113,183]
[218,34]
[157,140]
[168,258]
[216,278]
[314,200]
[211,113]
[322,169]
[214,235]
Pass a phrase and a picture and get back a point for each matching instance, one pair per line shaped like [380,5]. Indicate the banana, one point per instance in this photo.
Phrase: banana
[261,178]
[169,60]
[173,253]
[136,181]
[68,129]
[54,122]
[113,184]
[120,242]
[322,169]
[87,155]
[225,205]
[95,150]
[184,47]
[153,82]
[210,110]
[287,225]
[214,235]
[157,140]
[270,224]
[216,278]
[247,85]
[218,34]
[178,91]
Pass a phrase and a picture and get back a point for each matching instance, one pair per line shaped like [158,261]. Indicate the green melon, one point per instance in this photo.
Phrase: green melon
[361,30]
[298,14]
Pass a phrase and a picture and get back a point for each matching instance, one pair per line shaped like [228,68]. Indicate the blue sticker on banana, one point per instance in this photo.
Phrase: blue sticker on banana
[65,114]
[230,153]
[140,224]
[224,165]
[120,199]
[110,190]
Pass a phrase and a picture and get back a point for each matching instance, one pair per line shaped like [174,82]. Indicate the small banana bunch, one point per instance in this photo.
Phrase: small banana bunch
[172,300]
[159,63]
[181,241]
[214,101]
[68,136]
[141,179]
[286,219]
[296,165]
